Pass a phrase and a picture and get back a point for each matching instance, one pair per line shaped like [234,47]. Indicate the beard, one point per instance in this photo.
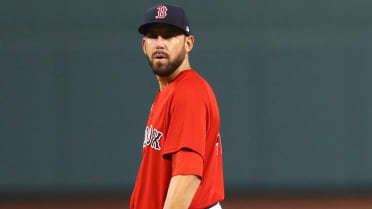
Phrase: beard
[166,69]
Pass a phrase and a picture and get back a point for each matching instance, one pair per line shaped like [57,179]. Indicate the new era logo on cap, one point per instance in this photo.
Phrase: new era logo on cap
[162,12]
[166,14]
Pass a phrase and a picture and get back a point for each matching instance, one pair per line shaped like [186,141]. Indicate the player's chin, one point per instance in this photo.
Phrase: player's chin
[161,65]
[162,71]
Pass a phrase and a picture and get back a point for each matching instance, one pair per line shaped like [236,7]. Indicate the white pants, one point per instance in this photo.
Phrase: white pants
[216,206]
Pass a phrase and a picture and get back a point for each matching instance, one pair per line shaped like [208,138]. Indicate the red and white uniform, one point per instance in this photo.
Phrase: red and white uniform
[181,138]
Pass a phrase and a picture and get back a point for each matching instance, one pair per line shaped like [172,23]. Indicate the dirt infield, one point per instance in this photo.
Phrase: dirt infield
[231,202]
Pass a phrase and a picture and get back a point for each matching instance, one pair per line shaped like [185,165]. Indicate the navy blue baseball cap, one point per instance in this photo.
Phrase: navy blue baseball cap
[166,14]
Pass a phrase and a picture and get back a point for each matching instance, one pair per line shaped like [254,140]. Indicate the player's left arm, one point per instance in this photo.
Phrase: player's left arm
[181,191]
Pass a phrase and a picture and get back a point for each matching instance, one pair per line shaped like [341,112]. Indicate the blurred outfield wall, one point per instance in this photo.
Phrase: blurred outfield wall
[293,79]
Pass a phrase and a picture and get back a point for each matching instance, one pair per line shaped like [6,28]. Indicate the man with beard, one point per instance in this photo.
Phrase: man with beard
[182,156]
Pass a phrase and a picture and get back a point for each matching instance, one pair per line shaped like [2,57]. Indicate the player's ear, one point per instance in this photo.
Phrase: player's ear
[189,43]
[144,45]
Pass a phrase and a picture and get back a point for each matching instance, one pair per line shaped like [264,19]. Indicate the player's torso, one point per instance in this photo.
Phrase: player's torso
[155,170]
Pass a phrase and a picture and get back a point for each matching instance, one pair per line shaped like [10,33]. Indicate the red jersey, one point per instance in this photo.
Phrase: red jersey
[184,115]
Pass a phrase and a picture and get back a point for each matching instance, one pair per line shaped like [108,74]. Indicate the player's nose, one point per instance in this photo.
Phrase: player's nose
[160,42]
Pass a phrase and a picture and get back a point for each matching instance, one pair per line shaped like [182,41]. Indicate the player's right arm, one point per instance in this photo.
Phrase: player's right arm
[187,171]
[181,191]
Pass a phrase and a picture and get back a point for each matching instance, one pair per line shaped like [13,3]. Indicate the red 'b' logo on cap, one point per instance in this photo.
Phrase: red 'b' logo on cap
[162,12]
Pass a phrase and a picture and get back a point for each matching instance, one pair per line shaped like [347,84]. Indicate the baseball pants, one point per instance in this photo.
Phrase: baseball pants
[216,206]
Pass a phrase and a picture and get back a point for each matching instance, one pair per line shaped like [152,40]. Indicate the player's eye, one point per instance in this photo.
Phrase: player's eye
[151,35]
[171,35]
[167,36]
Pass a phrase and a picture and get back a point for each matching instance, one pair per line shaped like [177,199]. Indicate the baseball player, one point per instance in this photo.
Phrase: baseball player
[182,156]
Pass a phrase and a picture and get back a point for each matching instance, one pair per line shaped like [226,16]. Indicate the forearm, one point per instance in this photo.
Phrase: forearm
[181,191]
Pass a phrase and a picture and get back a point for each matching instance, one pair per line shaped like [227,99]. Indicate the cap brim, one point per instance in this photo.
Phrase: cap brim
[143,28]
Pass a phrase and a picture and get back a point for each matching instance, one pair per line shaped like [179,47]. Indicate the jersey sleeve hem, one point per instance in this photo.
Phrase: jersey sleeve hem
[187,162]
[174,150]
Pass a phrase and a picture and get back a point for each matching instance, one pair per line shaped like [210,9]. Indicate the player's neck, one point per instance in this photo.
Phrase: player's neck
[164,81]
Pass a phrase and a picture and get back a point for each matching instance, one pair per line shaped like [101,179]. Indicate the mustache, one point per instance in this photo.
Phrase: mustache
[159,53]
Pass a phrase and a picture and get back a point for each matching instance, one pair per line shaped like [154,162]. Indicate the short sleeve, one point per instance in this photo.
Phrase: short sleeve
[188,121]
[186,162]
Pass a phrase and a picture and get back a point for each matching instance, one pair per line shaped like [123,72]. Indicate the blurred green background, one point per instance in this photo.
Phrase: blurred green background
[293,79]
